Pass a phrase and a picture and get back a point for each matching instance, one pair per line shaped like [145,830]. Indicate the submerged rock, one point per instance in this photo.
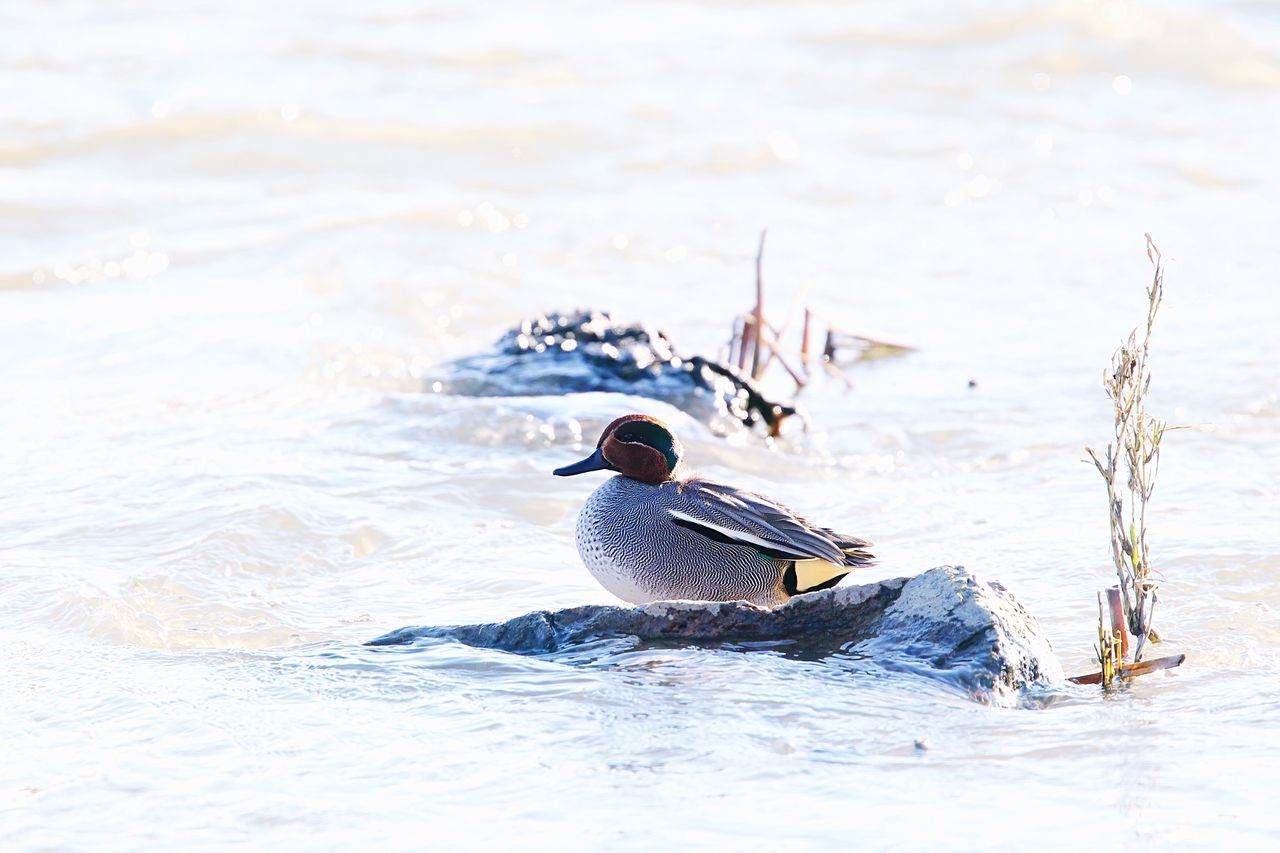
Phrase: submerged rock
[583,351]
[944,623]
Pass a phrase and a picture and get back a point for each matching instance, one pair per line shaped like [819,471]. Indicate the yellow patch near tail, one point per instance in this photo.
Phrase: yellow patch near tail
[811,573]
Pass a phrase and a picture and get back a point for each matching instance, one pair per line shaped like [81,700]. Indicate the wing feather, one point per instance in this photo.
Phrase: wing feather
[755,521]
[731,536]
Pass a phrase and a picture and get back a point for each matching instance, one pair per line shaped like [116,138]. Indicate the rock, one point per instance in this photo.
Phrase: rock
[946,621]
[944,624]
[583,351]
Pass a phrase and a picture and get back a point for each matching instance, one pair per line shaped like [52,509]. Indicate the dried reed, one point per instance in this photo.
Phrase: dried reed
[1137,445]
[755,342]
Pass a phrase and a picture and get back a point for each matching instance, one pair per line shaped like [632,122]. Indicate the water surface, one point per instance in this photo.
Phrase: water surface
[234,240]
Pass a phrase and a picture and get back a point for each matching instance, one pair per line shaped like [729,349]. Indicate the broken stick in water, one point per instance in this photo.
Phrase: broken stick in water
[1132,670]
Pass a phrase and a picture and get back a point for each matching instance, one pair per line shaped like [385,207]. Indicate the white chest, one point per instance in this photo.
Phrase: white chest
[616,568]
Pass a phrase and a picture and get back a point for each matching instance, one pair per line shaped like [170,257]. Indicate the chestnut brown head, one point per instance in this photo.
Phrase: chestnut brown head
[636,446]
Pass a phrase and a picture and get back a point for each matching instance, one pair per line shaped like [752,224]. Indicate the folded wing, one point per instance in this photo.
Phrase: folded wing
[754,521]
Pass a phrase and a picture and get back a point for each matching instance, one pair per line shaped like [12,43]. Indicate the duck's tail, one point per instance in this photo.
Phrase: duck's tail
[856,555]
[814,575]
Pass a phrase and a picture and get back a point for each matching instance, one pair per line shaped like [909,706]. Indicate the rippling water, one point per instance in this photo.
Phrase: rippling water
[234,240]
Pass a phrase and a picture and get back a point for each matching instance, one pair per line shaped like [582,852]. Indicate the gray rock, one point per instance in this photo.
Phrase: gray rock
[582,351]
[943,624]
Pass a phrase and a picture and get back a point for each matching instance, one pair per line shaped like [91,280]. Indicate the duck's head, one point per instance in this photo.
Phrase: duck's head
[636,446]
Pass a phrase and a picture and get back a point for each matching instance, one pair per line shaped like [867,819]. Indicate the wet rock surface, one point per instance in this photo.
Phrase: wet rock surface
[582,351]
[944,624]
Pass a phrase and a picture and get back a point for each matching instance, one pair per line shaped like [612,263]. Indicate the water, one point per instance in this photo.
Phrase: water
[234,239]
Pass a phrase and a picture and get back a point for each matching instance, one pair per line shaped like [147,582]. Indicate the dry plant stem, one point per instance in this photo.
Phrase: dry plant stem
[778,334]
[759,314]
[804,342]
[743,342]
[735,339]
[752,332]
[772,344]
[1108,648]
[769,342]
[1137,442]
[1116,611]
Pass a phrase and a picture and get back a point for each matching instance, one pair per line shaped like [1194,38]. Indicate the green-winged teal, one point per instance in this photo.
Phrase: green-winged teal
[649,534]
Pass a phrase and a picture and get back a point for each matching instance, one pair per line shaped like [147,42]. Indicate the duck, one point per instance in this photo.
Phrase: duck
[653,532]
